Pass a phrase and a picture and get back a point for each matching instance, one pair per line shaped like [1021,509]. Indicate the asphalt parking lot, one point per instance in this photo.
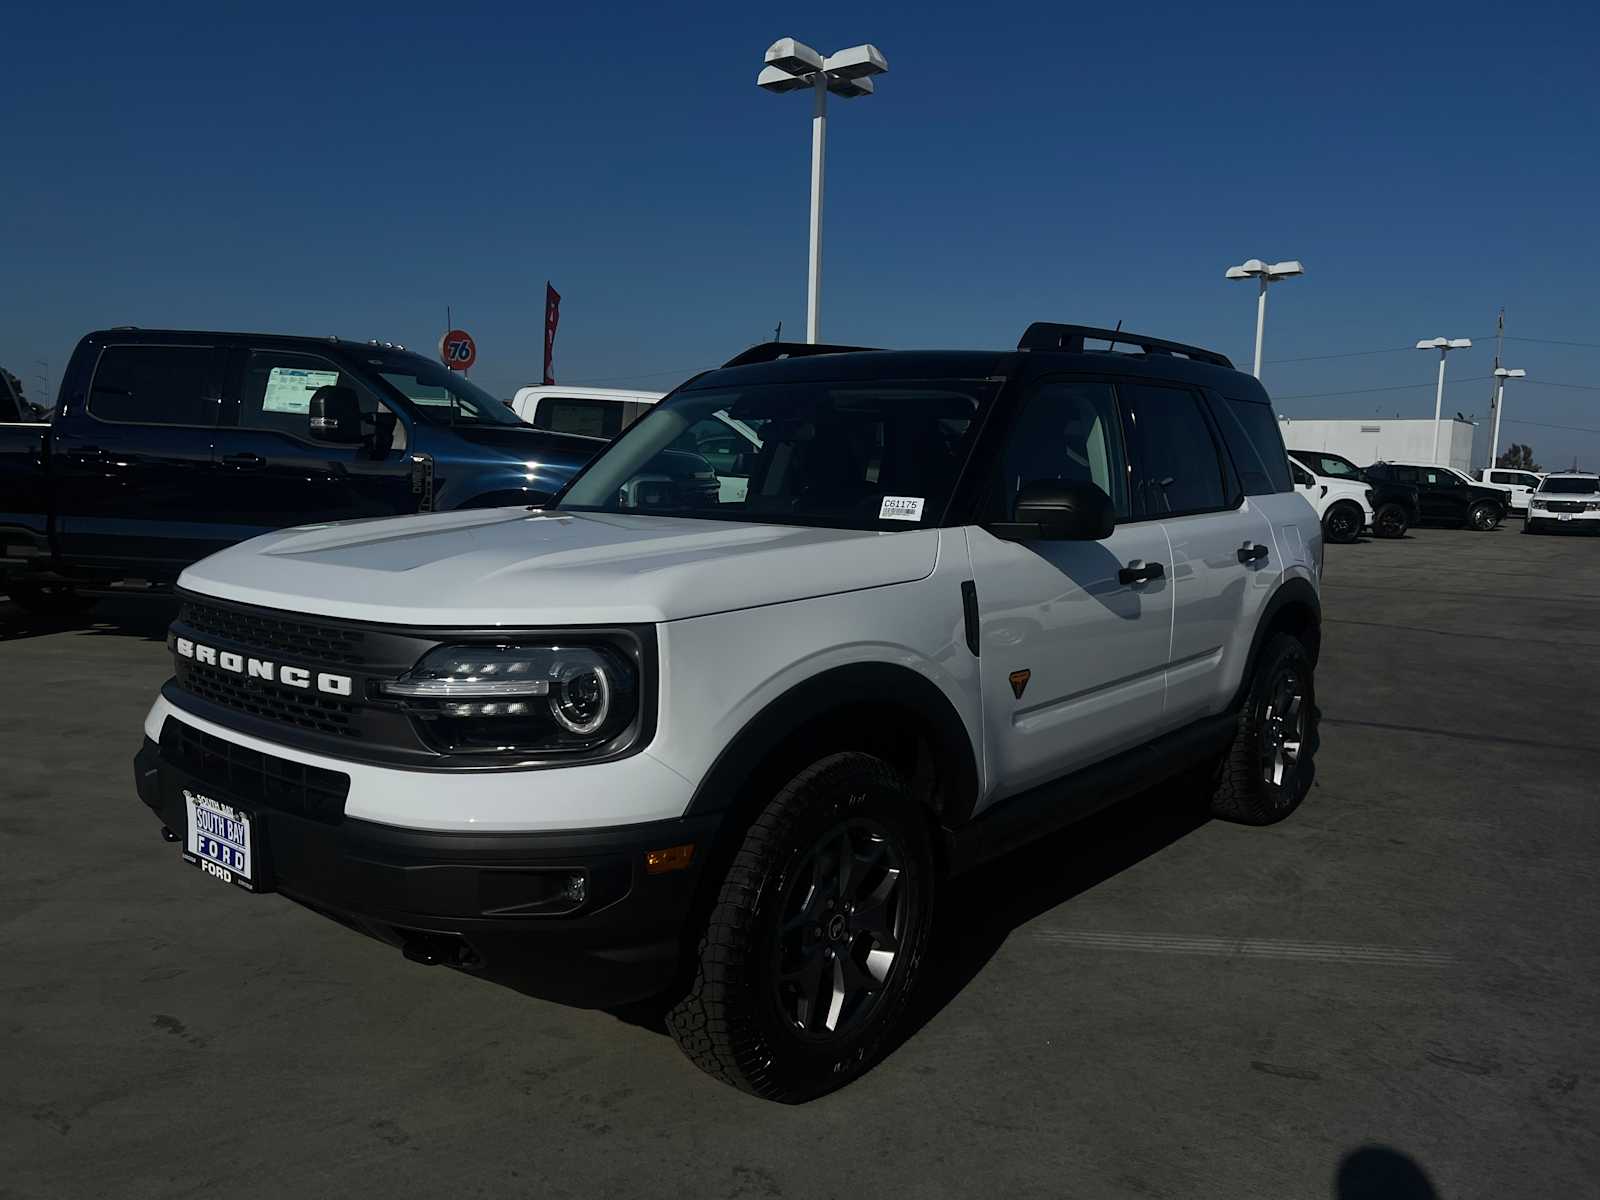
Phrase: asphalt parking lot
[1392,994]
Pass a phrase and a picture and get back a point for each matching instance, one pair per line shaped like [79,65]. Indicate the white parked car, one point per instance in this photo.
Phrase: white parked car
[1519,484]
[1343,506]
[649,741]
[1565,500]
[593,412]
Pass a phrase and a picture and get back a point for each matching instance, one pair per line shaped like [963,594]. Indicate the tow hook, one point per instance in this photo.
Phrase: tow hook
[167,835]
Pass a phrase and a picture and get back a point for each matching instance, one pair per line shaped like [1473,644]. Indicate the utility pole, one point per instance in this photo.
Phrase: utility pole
[777,334]
[1496,385]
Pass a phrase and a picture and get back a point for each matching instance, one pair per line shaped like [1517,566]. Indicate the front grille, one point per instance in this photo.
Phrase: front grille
[1564,505]
[311,711]
[299,639]
[312,792]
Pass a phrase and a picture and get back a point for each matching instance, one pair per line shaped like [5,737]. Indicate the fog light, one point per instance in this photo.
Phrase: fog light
[673,858]
[576,889]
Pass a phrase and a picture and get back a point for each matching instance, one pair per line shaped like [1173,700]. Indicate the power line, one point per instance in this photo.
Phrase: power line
[1346,354]
[1397,387]
[1547,425]
[1553,342]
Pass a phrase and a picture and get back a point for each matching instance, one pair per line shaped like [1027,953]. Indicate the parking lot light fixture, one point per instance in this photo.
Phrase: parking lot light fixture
[1443,346]
[790,67]
[1500,377]
[1266,273]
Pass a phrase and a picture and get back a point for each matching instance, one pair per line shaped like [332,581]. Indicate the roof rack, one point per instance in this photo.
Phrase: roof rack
[1048,335]
[772,351]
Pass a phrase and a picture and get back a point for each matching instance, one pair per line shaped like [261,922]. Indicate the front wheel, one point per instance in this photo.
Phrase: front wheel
[1484,517]
[1390,521]
[1342,522]
[48,600]
[1267,770]
[811,951]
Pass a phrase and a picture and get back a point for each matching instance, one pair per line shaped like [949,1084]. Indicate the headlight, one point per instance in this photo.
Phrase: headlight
[521,698]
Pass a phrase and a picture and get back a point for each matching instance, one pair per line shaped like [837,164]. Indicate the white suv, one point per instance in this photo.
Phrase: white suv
[1565,499]
[652,741]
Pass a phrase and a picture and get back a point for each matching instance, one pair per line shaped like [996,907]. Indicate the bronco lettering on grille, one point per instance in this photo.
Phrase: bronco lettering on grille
[260,668]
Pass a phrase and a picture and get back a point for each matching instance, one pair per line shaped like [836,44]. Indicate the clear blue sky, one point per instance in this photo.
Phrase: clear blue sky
[352,169]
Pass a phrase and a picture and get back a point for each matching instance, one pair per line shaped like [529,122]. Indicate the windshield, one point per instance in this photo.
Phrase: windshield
[1571,487]
[1328,464]
[443,397]
[855,455]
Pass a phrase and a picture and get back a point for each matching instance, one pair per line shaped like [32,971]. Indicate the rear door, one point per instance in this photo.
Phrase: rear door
[271,473]
[132,461]
[1073,652]
[1223,559]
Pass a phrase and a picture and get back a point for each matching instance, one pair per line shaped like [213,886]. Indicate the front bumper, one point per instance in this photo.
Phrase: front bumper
[1540,518]
[475,900]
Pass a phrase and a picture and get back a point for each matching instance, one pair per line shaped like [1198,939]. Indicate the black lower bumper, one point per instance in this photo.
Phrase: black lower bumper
[478,901]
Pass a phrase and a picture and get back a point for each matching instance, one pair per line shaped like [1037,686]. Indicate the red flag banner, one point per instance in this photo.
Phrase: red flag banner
[552,318]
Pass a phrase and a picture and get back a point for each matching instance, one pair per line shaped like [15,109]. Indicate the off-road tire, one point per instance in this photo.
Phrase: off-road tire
[1239,790]
[1342,522]
[1390,521]
[731,1023]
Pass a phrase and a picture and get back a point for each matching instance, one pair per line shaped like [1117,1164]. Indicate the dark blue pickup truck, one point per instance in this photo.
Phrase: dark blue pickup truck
[167,445]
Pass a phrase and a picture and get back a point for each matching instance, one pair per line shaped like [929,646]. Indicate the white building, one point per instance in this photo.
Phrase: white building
[1367,442]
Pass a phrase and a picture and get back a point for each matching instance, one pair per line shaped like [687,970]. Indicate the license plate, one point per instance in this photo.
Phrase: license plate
[218,840]
[1563,516]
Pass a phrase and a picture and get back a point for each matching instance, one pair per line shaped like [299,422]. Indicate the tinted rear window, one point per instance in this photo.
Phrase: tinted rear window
[1256,446]
[1571,487]
[155,385]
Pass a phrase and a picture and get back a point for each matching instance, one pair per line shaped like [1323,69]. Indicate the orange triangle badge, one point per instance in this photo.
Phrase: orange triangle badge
[1019,682]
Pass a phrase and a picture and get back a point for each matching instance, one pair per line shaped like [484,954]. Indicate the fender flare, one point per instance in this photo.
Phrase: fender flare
[851,686]
[1293,591]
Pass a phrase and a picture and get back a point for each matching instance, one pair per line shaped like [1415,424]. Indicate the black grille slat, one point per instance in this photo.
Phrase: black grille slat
[312,792]
[290,706]
[1564,505]
[326,643]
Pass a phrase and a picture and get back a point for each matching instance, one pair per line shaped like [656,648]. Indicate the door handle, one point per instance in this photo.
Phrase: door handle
[245,461]
[1139,571]
[1249,553]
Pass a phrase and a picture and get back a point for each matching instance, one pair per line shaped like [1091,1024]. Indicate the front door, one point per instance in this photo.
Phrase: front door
[272,474]
[1073,636]
[132,459]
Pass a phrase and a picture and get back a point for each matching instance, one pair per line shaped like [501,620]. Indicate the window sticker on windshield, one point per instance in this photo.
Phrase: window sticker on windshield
[900,508]
[289,389]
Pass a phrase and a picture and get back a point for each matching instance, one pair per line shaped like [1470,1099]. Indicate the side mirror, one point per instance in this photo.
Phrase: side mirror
[1055,510]
[334,415]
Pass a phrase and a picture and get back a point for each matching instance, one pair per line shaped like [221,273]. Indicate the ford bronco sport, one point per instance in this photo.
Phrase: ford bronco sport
[724,744]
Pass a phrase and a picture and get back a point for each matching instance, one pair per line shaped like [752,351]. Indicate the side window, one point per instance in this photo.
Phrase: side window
[1405,474]
[593,418]
[276,394]
[1255,443]
[1175,466]
[1301,478]
[155,385]
[1068,432]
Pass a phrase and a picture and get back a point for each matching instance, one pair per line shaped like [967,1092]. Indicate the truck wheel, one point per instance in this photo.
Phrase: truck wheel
[48,600]
[1483,517]
[1390,521]
[812,948]
[1266,771]
[1342,522]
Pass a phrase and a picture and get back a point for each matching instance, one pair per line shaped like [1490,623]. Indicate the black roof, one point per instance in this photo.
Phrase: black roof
[133,334]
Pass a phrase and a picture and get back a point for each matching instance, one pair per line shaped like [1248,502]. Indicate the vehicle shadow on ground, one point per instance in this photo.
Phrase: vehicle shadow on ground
[1381,1173]
[136,617]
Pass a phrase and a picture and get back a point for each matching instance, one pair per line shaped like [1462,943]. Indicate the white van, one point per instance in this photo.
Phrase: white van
[594,412]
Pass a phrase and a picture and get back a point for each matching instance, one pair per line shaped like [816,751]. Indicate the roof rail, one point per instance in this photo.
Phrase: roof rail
[772,351]
[1048,335]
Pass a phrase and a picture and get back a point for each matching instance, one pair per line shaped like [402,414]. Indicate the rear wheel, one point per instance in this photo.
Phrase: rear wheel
[1342,522]
[1266,771]
[811,951]
[1390,521]
[1484,516]
[48,600]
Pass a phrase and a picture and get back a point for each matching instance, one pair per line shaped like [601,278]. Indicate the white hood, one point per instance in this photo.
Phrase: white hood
[509,566]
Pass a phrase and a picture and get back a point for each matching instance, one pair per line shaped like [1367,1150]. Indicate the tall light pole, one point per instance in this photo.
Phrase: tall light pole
[1267,273]
[1500,377]
[791,66]
[1443,346]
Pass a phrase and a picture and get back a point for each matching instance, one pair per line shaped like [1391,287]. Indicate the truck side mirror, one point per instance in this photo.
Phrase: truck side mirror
[1058,510]
[334,416]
